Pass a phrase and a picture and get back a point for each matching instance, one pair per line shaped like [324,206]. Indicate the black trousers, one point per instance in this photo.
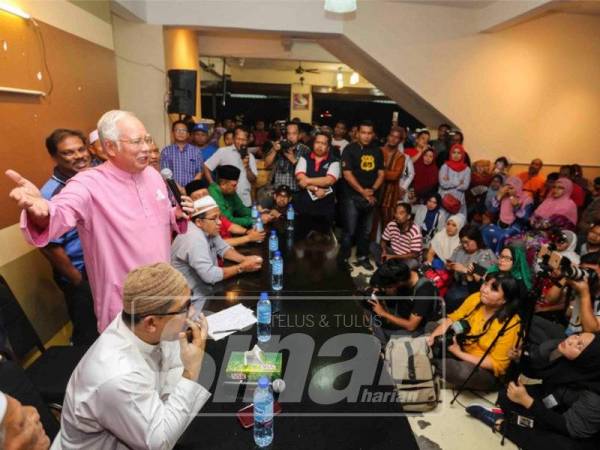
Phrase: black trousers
[457,372]
[80,306]
[15,382]
[306,223]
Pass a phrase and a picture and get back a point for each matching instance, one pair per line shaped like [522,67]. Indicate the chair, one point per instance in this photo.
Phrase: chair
[50,372]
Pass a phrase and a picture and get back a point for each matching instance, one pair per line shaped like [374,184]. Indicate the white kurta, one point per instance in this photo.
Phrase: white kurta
[127,394]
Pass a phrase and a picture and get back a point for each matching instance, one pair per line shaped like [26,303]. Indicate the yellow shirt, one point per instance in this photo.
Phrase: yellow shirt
[499,353]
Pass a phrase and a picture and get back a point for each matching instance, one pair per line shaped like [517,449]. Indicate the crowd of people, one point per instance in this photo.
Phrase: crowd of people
[516,256]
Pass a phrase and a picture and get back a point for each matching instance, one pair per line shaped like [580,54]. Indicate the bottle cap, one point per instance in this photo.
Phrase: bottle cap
[278,254]
[273,232]
[263,382]
[264,296]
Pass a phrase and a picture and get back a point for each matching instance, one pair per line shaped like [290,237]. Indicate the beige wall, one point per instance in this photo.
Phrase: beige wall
[305,115]
[526,91]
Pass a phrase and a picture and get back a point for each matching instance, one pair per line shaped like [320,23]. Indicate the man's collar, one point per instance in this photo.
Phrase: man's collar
[59,176]
[143,347]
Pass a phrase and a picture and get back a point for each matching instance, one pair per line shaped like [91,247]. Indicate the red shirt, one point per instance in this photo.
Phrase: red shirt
[410,152]
[225,227]
[578,195]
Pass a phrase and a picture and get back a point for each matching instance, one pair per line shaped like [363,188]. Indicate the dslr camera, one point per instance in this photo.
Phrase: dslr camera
[459,329]
[549,260]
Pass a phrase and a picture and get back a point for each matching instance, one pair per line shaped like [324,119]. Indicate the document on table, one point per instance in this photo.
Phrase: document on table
[230,320]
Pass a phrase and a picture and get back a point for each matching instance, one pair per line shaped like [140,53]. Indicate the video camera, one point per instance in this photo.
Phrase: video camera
[459,329]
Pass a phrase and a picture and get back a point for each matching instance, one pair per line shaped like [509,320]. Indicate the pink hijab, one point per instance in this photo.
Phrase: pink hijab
[507,212]
[562,206]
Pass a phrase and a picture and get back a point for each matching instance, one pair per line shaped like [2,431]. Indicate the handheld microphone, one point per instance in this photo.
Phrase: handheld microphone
[167,175]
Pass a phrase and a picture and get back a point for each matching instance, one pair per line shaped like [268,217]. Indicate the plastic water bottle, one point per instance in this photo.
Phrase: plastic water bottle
[263,314]
[254,212]
[277,272]
[273,245]
[263,413]
[258,226]
[290,217]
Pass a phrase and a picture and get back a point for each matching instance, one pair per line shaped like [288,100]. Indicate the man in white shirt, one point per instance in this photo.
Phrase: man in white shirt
[136,387]
[339,136]
[236,155]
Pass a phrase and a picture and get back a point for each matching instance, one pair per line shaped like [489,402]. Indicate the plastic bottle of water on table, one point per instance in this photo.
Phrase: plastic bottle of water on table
[263,413]
[290,215]
[273,245]
[263,315]
[277,272]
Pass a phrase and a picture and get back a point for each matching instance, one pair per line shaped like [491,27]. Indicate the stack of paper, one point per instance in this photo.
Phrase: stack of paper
[230,320]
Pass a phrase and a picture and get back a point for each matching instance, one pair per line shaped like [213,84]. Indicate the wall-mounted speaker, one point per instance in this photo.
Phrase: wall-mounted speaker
[182,92]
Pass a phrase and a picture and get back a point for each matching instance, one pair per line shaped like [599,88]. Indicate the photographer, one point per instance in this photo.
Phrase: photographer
[284,156]
[483,315]
[566,404]
[406,316]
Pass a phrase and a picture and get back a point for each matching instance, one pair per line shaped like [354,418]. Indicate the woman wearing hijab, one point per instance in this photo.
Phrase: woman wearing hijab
[557,208]
[514,208]
[564,411]
[426,175]
[445,241]
[512,260]
[430,217]
[454,178]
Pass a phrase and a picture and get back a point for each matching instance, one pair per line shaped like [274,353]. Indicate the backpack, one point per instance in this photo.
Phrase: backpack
[408,363]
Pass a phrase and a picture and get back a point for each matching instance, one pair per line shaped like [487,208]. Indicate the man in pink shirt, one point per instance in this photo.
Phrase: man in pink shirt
[121,210]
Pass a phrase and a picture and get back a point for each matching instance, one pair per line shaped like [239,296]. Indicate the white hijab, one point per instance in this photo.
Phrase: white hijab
[442,244]
[570,251]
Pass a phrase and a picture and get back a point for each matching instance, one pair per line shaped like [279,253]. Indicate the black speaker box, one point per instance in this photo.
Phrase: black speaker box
[182,92]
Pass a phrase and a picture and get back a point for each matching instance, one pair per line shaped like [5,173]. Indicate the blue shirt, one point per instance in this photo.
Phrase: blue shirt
[70,240]
[185,163]
[209,150]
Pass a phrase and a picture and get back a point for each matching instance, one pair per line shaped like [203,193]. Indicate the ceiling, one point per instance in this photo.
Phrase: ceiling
[285,65]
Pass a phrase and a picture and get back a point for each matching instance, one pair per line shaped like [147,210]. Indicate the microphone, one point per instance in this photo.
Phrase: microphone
[167,175]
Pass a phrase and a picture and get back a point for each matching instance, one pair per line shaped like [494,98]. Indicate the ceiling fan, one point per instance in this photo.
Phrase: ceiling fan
[300,70]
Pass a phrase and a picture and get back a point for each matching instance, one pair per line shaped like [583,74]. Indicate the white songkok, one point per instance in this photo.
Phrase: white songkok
[93,137]
[203,205]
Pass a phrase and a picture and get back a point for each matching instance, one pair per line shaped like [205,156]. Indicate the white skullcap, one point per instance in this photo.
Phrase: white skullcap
[93,137]
[3,406]
[203,205]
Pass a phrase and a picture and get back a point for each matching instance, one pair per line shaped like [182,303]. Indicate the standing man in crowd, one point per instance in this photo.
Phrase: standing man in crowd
[138,387]
[236,155]
[121,210]
[533,180]
[362,165]
[201,139]
[184,159]
[340,131]
[284,156]
[95,149]
[317,173]
[440,144]
[71,156]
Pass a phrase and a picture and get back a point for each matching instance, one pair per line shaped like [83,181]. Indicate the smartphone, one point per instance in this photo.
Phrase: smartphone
[246,414]
[479,269]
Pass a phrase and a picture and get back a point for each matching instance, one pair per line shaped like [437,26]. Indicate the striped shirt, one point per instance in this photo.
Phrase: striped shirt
[185,164]
[403,243]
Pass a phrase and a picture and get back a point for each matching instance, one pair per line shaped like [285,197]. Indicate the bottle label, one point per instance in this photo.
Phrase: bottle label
[264,313]
[263,412]
[278,267]
[273,245]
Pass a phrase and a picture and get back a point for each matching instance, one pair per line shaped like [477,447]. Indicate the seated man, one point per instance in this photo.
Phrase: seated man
[277,204]
[317,173]
[115,397]
[401,239]
[195,253]
[228,201]
[233,234]
[20,427]
[405,316]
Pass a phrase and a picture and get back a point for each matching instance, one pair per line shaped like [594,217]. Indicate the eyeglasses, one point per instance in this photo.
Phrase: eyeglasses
[180,130]
[505,258]
[212,218]
[137,142]
[184,309]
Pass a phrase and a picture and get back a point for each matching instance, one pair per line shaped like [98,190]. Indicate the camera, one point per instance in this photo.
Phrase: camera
[243,152]
[285,145]
[459,329]
[550,260]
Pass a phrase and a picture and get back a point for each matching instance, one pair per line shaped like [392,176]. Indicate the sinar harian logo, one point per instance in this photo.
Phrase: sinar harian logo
[367,162]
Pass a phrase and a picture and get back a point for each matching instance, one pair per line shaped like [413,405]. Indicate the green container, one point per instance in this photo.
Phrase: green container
[237,370]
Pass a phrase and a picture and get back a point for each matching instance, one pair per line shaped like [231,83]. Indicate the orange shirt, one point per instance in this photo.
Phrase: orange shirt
[532,185]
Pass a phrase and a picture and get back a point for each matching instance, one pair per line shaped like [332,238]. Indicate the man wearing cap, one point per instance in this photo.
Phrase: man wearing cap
[182,158]
[20,426]
[95,148]
[137,387]
[232,233]
[71,156]
[224,192]
[201,139]
[195,253]
[121,210]
[236,155]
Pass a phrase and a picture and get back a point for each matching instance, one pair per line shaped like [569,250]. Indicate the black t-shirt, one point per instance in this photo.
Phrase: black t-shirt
[424,307]
[364,162]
